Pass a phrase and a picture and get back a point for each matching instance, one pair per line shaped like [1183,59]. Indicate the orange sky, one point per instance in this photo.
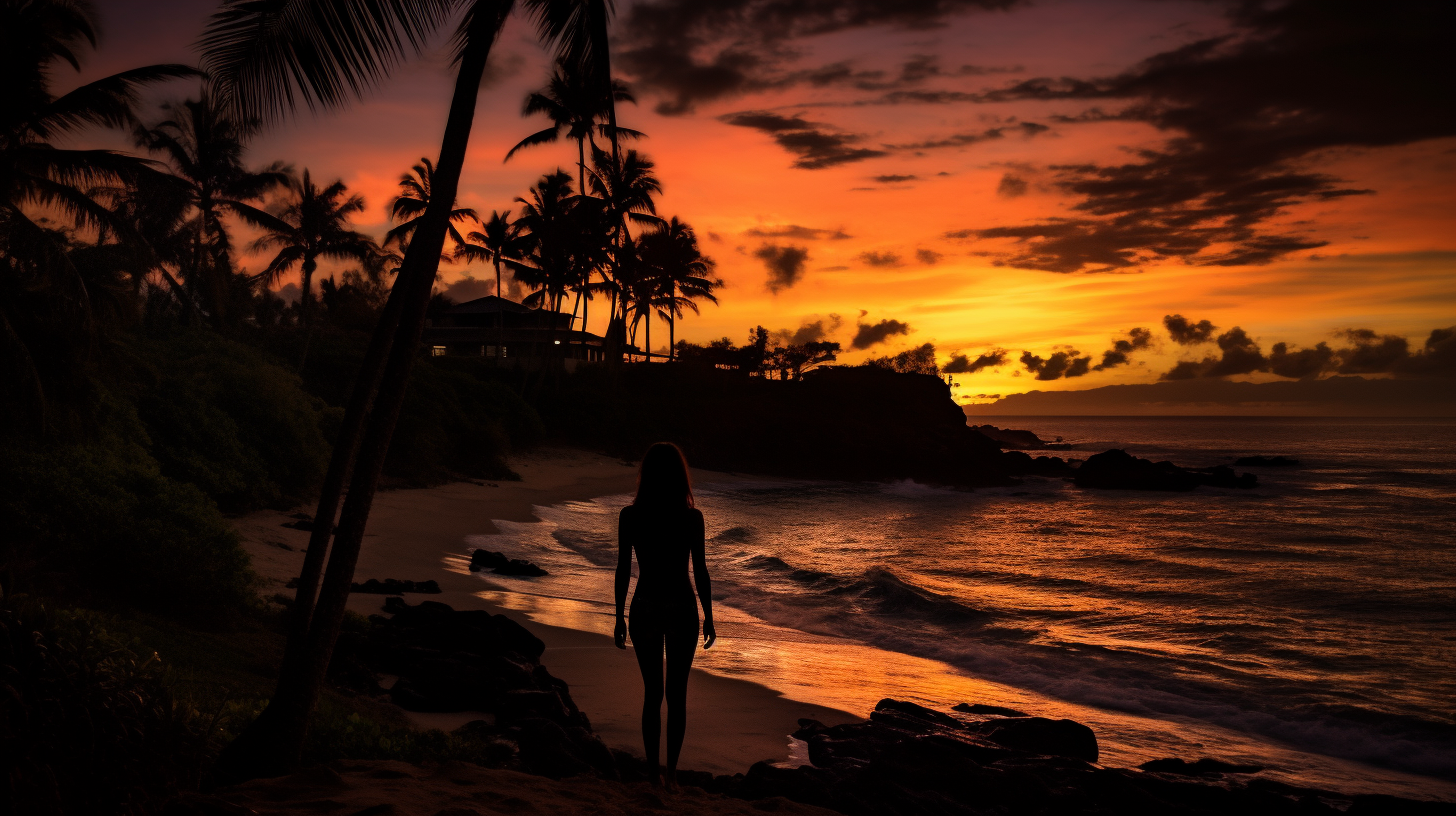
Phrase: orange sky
[1387,264]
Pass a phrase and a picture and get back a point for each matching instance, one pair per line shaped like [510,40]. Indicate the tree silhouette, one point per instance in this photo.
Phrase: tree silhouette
[682,274]
[203,149]
[627,187]
[314,225]
[499,239]
[39,285]
[414,199]
[268,57]
[575,103]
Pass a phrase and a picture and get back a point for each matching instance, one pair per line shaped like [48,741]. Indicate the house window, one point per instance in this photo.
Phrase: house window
[437,351]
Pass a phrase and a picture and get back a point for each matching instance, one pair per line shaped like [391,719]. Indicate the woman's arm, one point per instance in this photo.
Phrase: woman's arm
[624,578]
[700,578]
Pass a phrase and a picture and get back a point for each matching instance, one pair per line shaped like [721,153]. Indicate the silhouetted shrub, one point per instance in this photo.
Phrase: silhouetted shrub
[86,725]
[224,417]
[454,422]
[100,517]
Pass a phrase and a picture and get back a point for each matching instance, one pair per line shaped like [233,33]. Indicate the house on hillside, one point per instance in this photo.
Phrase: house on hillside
[503,329]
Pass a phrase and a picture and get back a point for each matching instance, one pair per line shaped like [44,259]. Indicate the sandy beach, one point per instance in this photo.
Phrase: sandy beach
[419,534]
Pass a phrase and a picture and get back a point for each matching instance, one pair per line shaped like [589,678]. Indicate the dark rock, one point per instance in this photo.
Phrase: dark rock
[487,559]
[1266,461]
[1043,736]
[518,567]
[394,586]
[499,564]
[1119,470]
[547,749]
[997,711]
[1018,440]
[1203,767]
[917,712]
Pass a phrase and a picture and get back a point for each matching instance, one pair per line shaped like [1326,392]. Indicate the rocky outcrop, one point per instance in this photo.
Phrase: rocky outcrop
[1010,439]
[444,660]
[1119,470]
[499,564]
[908,760]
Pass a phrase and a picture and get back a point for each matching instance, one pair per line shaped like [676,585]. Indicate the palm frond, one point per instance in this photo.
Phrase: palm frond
[268,56]
[107,102]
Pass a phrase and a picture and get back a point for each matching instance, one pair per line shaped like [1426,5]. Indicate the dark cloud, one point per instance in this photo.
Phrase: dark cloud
[963,364]
[868,334]
[785,264]
[811,330]
[1372,353]
[1027,129]
[1011,186]
[798,232]
[881,259]
[1187,333]
[1300,364]
[929,257]
[689,51]
[895,179]
[1060,364]
[816,145]
[1123,347]
[1369,352]
[1243,113]
[767,122]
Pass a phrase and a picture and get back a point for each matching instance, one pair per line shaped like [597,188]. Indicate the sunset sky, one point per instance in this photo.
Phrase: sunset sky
[991,175]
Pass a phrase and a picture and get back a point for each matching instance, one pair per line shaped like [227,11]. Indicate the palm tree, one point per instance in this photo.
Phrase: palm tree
[314,225]
[203,148]
[500,239]
[682,274]
[627,186]
[267,57]
[413,199]
[575,103]
[39,180]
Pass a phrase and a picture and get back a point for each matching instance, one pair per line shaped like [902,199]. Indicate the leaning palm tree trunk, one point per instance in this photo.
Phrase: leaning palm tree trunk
[273,744]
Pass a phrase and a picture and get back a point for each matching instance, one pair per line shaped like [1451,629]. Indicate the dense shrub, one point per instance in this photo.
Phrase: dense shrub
[226,418]
[99,518]
[455,422]
[87,726]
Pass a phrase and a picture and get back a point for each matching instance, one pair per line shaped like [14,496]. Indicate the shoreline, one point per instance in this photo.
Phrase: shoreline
[420,534]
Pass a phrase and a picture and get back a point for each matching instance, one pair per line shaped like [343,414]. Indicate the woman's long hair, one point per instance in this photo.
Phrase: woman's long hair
[663,479]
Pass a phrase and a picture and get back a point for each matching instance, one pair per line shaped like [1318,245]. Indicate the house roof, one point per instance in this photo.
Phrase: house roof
[488,305]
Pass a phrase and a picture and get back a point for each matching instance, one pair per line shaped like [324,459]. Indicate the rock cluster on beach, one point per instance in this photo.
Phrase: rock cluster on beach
[908,759]
[450,661]
[499,564]
[1119,470]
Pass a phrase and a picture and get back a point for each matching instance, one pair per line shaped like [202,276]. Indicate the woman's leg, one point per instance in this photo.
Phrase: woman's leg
[681,646]
[648,645]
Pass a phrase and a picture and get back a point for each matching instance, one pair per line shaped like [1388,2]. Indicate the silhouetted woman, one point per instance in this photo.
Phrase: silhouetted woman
[665,530]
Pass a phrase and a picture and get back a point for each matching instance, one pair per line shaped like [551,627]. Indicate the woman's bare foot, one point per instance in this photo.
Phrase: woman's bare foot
[655,778]
[670,783]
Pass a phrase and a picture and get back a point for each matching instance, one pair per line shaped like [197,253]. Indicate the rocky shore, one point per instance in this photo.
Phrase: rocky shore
[905,760]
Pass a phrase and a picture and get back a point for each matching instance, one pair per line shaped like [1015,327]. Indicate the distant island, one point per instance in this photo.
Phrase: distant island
[1335,396]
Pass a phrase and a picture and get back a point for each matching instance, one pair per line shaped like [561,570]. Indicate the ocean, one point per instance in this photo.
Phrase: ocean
[1307,625]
